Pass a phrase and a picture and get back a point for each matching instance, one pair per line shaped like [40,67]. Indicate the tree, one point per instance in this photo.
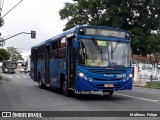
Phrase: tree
[140,17]
[1,20]
[4,55]
[15,54]
[153,41]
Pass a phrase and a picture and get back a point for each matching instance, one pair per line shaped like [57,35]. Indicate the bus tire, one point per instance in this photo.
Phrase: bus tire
[107,93]
[41,85]
[66,91]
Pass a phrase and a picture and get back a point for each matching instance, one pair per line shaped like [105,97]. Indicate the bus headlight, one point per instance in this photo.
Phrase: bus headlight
[127,78]
[6,70]
[80,74]
[84,77]
[130,75]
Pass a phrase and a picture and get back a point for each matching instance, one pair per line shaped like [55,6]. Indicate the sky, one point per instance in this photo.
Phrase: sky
[39,15]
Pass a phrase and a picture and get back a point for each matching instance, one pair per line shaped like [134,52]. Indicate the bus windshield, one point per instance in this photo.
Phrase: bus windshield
[11,65]
[99,53]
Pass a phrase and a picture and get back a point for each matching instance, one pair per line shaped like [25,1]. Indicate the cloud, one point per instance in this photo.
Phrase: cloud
[39,15]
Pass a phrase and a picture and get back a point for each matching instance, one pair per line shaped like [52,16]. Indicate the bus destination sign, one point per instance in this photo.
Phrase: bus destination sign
[104,32]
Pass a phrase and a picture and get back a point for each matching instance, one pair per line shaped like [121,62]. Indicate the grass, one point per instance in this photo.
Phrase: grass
[154,85]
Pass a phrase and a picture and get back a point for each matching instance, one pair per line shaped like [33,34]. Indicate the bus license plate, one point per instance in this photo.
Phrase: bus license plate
[108,85]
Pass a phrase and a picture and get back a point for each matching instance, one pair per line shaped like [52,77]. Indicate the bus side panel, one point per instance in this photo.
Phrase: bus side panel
[53,73]
[32,71]
[35,65]
[40,70]
[61,70]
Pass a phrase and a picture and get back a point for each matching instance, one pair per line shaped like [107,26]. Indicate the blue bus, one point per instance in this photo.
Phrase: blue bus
[84,58]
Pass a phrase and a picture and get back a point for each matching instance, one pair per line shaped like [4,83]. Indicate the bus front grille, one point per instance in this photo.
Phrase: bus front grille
[98,79]
[106,71]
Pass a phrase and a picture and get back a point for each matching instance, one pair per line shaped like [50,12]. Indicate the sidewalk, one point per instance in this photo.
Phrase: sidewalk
[143,82]
[140,83]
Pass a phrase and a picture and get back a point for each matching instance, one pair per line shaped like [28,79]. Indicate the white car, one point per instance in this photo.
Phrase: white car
[22,69]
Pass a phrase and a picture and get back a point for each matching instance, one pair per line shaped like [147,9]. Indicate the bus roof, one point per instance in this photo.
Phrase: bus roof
[72,30]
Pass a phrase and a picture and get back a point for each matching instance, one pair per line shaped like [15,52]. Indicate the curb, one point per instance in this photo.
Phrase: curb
[139,85]
[2,81]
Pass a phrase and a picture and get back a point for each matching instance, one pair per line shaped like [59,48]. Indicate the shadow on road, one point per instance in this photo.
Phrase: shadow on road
[89,97]
[4,79]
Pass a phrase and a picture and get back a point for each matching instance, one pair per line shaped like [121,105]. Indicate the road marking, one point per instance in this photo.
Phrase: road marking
[138,98]
[2,81]
[17,77]
[10,77]
[146,91]
[25,77]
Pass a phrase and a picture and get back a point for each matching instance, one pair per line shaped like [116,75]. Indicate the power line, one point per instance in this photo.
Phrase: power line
[11,9]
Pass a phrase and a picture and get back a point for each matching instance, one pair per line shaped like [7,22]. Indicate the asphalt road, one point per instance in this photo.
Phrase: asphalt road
[19,93]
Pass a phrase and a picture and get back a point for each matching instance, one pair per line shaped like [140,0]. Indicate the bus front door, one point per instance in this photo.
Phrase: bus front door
[47,66]
[71,69]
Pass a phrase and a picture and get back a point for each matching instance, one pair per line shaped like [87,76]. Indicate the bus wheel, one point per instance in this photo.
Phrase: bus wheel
[107,93]
[41,85]
[66,92]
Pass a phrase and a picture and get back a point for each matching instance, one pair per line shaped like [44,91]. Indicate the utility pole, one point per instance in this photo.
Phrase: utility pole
[32,33]
[2,40]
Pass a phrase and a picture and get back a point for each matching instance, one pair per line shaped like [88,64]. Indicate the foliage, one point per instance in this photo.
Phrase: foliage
[154,85]
[153,43]
[15,54]
[1,20]
[140,17]
[4,55]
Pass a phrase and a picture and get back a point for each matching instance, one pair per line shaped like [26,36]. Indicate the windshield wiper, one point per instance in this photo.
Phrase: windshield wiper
[116,45]
[99,48]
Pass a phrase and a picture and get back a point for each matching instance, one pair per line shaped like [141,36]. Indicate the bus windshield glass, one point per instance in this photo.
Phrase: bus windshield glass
[11,65]
[99,53]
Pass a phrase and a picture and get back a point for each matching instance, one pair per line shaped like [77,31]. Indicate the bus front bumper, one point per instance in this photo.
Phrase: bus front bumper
[97,85]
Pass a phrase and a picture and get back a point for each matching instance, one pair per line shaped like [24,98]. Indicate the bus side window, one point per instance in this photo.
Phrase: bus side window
[32,56]
[54,47]
[62,48]
[63,43]
[40,53]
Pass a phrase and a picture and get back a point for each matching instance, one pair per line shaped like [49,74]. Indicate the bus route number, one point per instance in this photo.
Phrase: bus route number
[121,75]
[90,31]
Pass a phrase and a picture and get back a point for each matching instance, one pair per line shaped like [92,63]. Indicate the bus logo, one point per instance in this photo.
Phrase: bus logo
[6,114]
